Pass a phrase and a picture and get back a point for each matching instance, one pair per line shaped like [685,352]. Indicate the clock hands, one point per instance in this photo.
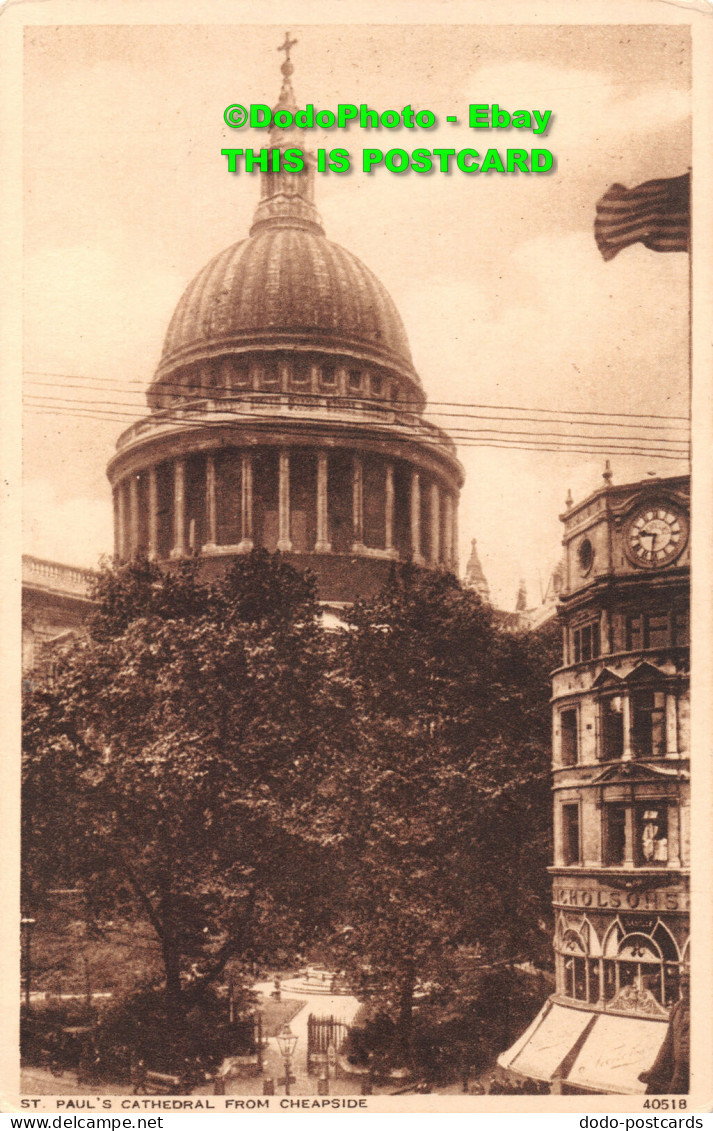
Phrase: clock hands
[655,536]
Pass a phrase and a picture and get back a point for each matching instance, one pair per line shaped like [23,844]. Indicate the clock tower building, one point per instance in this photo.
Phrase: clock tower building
[621,750]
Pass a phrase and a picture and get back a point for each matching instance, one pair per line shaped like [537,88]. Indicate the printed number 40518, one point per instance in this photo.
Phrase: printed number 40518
[666,1105]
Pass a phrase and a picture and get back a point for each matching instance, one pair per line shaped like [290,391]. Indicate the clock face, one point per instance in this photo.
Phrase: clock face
[655,535]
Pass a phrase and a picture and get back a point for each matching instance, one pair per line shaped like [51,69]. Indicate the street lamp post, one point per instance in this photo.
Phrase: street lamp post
[286,1042]
[26,926]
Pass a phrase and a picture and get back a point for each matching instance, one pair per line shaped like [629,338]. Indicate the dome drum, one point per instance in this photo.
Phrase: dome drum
[306,501]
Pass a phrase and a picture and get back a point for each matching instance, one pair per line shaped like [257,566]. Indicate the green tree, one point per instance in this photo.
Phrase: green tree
[177,765]
[449,810]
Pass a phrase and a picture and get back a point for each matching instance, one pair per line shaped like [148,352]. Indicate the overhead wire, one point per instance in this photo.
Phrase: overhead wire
[226,406]
[181,387]
[467,438]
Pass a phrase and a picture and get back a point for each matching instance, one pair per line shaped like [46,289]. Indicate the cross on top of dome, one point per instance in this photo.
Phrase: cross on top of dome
[286,100]
[287,46]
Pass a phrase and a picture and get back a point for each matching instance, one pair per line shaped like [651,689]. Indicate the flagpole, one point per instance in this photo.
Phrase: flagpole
[690,319]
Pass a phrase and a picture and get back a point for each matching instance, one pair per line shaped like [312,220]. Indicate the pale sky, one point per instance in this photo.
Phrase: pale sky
[503,294]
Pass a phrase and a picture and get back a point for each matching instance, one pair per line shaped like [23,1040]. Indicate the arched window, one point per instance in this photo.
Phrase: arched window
[640,965]
[637,972]
[574,956]
[671,963]
[643,977]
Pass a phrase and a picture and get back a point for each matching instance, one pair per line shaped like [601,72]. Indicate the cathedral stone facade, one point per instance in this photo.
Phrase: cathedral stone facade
[286,413]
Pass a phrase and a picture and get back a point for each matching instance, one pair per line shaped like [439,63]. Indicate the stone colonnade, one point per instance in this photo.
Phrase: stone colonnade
[290,499]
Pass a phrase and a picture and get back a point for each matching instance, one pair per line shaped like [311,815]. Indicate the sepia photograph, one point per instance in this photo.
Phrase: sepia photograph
[357,374]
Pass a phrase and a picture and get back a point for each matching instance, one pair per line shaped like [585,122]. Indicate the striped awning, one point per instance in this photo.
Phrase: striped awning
[590,1051]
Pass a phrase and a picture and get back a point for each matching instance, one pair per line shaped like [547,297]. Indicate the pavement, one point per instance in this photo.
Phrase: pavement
[343,1007]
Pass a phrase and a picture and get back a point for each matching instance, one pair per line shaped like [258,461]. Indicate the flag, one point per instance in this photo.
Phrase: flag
[656,214]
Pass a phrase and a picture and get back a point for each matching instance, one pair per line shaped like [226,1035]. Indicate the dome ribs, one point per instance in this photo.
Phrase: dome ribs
[266,292]
[176,333]
[226,298]
[246,282]
[282,282]
[338,281]
[324,308]
[297,277]
[215,272]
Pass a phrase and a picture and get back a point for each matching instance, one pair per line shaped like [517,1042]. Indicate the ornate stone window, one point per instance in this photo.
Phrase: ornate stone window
[681,634]
[570,834]
[648,723]
[614,834]
[579,964]
[586,644]
[569,736]
[640,970]
[270,375]
[301,373]
[328,375]
[611,718]
[638,836]
[632,972]
[651,834]
[574,965]
[647,630]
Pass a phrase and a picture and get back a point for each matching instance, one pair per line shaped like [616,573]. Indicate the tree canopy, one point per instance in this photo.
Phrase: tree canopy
[175,764]
[211,759]
[450,809]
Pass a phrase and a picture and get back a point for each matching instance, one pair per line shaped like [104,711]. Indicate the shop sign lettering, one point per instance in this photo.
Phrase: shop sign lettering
[612,899]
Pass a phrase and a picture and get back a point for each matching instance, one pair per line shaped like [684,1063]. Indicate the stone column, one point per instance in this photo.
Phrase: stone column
[448,530]
[322,544]
[671,725]
[246,502]
[358,546]
[133,516]
[115,514]
[557,836]
[283,519]
[153,514]
[210,504]
[626,726]
[389,509]
[179,509]
[435,548]
[674,836]
[605,633]
[454,533]
[629,834]
[121,522]
[416,517]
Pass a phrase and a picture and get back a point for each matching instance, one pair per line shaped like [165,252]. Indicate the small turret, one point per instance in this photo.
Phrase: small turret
[474,577]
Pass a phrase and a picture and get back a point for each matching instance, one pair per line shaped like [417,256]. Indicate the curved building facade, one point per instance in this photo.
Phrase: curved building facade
[621,783]
[286,413]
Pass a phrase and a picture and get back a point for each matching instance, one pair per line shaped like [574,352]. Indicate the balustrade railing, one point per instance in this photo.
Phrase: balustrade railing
[55,575]
[303,405]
